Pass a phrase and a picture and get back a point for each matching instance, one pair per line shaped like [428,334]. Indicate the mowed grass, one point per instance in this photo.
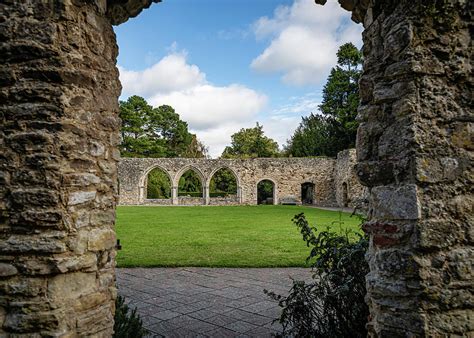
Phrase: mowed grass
[218,236]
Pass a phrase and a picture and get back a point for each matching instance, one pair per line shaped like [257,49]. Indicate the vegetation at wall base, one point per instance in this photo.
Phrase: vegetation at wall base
[127,323]
[333,305]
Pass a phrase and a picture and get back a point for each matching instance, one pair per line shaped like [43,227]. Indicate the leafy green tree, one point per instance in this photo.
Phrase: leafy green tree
[251,143]
[155,132]
[159,185]
[223,182]
[336,128]
[190,184]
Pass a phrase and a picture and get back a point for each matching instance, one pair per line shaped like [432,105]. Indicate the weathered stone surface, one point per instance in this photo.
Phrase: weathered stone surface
[414,148]
[287,174]
[58,126]
[7,270]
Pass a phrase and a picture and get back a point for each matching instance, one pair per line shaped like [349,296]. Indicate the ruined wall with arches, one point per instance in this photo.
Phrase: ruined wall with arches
[286,174]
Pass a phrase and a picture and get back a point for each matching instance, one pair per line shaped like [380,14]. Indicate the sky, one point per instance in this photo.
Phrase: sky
[224,65]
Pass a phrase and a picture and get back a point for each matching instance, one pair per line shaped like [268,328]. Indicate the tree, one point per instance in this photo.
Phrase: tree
[251,143]
[336,128]
[155,132]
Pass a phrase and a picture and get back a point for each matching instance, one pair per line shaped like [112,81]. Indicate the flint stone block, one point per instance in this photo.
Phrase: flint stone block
[101,239]
[71,286]
[81,197]
[7,270]
[395,202]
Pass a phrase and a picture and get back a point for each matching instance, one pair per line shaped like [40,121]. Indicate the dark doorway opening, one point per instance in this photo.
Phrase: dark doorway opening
[345,198]
[307,193]
[265,192]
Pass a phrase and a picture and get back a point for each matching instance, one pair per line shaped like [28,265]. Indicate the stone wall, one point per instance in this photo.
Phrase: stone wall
[349,192]
[287,174]
[58,178]
[415,153]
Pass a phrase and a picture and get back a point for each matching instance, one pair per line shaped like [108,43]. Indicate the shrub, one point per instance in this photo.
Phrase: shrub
[332,305]
[127,324]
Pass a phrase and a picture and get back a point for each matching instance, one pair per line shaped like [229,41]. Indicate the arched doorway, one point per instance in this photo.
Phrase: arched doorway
[158,185]
[223,187]
[307,193]
[345,198]
[190,187]
[266,192]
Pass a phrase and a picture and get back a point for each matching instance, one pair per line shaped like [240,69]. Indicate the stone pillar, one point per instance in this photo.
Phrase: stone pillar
[174,195]
[206,193]
[58,178]
[415,153]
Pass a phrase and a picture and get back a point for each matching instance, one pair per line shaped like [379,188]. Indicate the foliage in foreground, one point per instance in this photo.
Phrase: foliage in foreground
[333,304]
[127,324]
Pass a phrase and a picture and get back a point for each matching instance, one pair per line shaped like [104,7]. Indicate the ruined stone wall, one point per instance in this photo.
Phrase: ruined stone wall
[415,153]
[58,154]
[345,178]
[287,174]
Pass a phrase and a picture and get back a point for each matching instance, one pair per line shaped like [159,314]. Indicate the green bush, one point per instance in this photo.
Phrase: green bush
[332,305]
[127,325]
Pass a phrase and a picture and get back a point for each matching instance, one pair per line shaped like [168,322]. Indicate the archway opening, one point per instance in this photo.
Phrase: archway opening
[158,185]
[223,187]
[307,193]
[345,195]
[266,192]
[190,186]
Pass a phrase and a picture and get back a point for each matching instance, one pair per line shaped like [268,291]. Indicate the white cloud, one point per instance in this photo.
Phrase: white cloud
[304,40]
[205,106]
[212,112]
[169,74]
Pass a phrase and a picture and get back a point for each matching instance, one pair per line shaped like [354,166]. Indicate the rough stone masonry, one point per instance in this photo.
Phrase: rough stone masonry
[328,176]
[58,164]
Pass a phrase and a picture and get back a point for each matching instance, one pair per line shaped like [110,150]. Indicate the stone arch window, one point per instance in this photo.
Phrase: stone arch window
[345,194]
[158,184]
[223,182]
[190,183]
[266,192]
[307,192]
[156,174]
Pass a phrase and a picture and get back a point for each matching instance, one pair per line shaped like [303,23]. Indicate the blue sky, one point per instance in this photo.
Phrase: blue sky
[226,64]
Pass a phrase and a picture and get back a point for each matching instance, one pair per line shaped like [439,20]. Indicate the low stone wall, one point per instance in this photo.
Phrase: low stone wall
[228,200]
[158,201]
[187,200]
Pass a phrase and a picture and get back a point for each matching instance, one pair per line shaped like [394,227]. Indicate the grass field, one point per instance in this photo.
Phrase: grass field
[227,236]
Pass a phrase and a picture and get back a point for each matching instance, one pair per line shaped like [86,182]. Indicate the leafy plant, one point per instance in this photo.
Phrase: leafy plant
[333,304]
[127,324]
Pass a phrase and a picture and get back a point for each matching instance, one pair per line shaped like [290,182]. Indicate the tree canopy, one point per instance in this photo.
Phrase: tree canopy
[155,132]
[251,143]
[336,128]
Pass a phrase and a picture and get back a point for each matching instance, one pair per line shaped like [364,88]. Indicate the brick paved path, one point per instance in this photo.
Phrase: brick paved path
[207,302]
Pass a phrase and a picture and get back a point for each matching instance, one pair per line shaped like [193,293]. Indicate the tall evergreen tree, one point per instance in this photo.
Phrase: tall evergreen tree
[336,128]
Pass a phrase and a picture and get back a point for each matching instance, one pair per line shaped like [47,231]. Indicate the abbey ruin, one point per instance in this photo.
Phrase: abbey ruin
[333,181]
[59,90]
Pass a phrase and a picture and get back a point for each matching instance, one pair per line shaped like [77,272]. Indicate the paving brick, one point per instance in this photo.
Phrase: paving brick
[206,302]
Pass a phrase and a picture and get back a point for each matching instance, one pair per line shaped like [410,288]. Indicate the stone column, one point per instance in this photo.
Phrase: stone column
[58,177]
[206,193]
[174,195]
[415,152]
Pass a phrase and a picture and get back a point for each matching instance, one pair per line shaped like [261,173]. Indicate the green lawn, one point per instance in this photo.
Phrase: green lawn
[227,236]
